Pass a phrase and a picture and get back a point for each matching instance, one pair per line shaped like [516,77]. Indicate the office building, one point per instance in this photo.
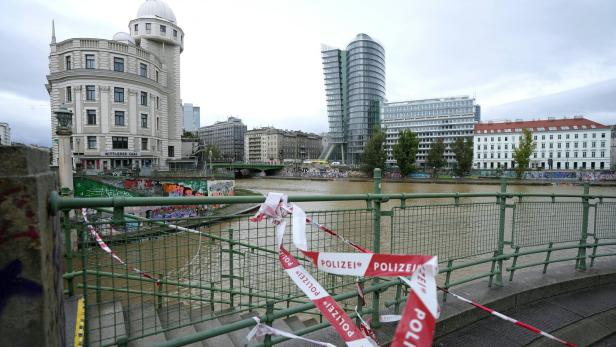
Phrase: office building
[227,135]
[5,134]
[561,144]
[124,93]
[271,145]
[191,117]
[431,119]
[354,89]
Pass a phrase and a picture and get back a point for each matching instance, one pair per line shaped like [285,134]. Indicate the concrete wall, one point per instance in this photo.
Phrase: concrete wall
[31,309]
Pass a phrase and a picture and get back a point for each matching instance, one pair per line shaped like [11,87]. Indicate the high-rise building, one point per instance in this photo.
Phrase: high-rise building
[227,135]
[191,117]
[354,89]
[566,143]
[124,93]
[271,145]
[5,134]
[431,119]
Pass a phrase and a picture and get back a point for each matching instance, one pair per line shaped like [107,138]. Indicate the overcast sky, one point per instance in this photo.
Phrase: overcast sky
[260,60]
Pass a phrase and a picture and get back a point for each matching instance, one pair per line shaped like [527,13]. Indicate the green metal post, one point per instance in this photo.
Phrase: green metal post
[231,272]
[269,312]
[581,261]
[376,247]
[68,251]
[501,232]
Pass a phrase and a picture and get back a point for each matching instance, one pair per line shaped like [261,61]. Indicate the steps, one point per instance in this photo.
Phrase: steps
[111,322]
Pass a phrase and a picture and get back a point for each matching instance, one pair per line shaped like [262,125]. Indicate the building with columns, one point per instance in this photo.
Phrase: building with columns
[561,144]
[124,93]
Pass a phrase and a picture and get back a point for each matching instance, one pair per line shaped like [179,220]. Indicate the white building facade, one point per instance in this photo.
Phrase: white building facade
[431,119]
[5,134]
[561,144]
[124,93]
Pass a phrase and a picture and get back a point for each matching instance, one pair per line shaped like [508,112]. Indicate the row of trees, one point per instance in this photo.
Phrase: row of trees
[405,153]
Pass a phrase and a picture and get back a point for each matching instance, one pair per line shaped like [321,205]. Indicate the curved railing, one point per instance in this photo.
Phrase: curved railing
[221,266]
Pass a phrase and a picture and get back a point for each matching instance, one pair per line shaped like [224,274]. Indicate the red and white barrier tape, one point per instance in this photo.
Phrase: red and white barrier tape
[108,250]
[509,319]
[261,330]
[419,327]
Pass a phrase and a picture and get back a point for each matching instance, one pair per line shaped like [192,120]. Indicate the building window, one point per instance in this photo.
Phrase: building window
[90,93]
[91,142]
[136,28]
[170,151]
[163,29]
[148,27]
[90,61]
[67,59]
[175,33]
[143,70]
[69,94]
[118,64]
[144,120]
[119,118]
[91,115]
[144,99]
[118,94]
[119,142]
[144,144]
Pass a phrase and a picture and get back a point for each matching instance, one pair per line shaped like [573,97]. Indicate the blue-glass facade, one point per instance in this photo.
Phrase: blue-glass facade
[355,88]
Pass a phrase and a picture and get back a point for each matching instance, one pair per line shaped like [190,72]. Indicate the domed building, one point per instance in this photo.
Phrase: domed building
[124,93]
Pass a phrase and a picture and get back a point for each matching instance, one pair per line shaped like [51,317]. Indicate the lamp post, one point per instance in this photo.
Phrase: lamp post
[65,160]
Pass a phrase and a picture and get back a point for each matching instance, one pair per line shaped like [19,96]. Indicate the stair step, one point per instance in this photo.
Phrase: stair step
[239,336]
[220,340]
[310,322]
[144,320]
[174,315]
[295,323]
[106,323]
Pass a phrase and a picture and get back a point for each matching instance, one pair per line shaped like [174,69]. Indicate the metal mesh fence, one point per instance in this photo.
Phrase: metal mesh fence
[605,220]
[448,231]
[539,223]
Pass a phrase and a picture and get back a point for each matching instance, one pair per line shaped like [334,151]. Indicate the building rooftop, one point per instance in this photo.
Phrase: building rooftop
[550,124]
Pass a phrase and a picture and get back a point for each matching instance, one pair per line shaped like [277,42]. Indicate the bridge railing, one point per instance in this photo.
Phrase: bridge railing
[221,267]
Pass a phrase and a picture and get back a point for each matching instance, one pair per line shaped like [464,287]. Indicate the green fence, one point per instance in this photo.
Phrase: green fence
[213,269]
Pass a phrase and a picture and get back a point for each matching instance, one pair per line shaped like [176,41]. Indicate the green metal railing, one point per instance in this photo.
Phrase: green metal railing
[219,269]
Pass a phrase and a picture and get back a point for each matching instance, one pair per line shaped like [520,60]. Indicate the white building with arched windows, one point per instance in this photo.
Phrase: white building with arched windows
[124,93]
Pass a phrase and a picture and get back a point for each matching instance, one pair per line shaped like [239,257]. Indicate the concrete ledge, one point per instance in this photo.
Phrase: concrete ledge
[528,286]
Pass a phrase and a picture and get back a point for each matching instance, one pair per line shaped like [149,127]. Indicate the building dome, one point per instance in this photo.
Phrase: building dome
[124,38]
[156,9]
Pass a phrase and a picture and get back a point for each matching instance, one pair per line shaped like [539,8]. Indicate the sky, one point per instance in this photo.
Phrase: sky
[260,60]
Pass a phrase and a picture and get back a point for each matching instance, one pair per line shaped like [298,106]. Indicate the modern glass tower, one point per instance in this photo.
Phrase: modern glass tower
[354,89]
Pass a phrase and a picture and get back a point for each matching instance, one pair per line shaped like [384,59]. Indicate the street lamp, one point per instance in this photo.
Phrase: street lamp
[65,157]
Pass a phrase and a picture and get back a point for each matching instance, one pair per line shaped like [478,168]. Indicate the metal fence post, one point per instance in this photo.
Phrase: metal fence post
[68,251]
[501,231]
[376,247]
[269,312]
[581,261]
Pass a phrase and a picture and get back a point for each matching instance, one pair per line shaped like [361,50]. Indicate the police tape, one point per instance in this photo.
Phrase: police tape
[421,311]
[261,330]
[108,250]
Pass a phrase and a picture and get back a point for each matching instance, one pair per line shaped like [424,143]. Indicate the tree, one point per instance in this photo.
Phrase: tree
[374,154]
[435,158]
[405,151]
[522,153]
[463,149]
